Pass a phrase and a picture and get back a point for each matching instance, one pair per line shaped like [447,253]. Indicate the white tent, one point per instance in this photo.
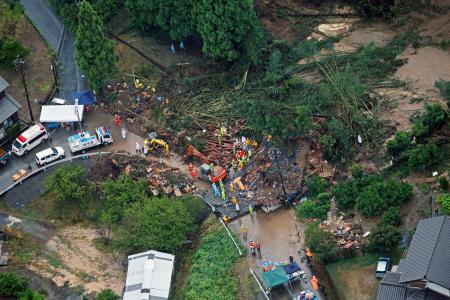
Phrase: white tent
[61,113]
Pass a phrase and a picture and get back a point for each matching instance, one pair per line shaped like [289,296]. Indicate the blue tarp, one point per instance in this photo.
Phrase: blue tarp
[291,268]
[84,97]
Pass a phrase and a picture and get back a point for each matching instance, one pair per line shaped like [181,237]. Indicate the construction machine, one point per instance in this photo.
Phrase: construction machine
[191,151]
[153,143]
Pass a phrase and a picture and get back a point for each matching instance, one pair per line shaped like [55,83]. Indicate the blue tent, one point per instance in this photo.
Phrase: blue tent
[291,268]
[84,97]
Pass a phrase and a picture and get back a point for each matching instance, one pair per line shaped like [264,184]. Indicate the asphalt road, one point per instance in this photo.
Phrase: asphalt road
[15,163]
[51,28]
[62,41]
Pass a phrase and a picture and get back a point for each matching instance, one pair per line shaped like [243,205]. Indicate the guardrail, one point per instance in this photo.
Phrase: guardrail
[61,161]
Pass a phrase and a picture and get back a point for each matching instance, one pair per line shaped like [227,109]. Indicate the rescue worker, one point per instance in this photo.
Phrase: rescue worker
[231,187]
[124,133]
[238,209]
[172,47]
[225,219]
[181,45]
[250,209]
[191,167]
[244,232]
[145,151]
[234,200]
[138,148]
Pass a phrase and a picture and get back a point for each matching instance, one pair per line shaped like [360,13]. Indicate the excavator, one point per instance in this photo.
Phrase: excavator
[206,173]
[152,143]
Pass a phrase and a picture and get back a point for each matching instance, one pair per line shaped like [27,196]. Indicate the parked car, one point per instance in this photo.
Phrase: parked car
[383,265]
[48,155]
[4,155]
[19,175]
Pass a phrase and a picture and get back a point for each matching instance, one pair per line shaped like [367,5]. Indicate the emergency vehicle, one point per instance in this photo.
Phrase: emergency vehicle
[29,139]
[84,141]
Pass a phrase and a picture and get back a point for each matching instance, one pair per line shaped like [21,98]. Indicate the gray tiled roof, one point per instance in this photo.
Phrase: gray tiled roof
[421,251]
[390,289]
[417,295]
[3,84]
[439,268]
[8,106]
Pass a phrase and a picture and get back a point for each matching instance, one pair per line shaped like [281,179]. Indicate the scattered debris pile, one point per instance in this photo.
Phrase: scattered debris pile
[348,235]
[161,178]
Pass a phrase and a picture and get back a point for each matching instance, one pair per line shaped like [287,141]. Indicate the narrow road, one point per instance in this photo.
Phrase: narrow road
[60,40]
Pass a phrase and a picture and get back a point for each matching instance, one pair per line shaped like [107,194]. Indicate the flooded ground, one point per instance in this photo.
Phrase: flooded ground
[280,235]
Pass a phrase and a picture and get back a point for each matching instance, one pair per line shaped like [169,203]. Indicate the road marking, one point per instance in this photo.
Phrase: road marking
[61,42]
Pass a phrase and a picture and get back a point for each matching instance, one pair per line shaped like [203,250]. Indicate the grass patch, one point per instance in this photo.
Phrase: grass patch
[22,247]
[211,275]
[54,262]
[354,278]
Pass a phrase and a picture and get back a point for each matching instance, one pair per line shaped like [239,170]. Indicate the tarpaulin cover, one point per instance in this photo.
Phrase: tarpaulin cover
[291,268]
[84,97]
[275,277]
[61,113]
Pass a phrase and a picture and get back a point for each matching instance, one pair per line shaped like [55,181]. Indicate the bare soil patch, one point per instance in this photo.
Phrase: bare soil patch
[72,258]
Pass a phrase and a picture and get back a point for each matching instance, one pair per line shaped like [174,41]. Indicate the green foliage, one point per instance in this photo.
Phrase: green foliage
[346,193]
[371,194]
[383,238]
[13,130]
[443,183]
[108,9]
[309,48]
[336,144]
[10,17]
[94,51]
[118,195]
[69,12]
[424,156]
[73,192]
[196,208]
[31,295]
[316,185]
[444,203]
[430,120]
[322,243]
[107,294]
[444,88]
[375,8]
[160,224]
[400,146]
[9,49]
[174,16]
[211,275]
[357,171]
[392,217]
[229,29]
[11,285]
[315,208]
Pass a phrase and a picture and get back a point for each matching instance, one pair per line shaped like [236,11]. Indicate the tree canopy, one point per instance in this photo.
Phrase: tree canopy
[94,51]
[158,223]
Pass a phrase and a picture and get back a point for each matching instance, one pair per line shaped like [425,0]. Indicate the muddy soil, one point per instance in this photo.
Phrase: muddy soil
[72,259]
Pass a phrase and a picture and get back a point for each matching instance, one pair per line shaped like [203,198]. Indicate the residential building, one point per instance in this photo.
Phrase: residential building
[9,109]
[424,273]
[149,276]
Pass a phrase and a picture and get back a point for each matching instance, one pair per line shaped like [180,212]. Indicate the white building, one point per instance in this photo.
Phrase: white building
[149,276]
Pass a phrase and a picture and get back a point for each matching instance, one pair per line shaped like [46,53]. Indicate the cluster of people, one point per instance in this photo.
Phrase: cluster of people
[141,149]
[172,47]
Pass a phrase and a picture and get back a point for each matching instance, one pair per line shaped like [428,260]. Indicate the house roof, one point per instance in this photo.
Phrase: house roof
[8,107]
[149,276]
[3,84]
[391,289]
[428,256]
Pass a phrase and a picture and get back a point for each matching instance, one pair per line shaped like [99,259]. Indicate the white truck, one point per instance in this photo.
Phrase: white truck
[84,141]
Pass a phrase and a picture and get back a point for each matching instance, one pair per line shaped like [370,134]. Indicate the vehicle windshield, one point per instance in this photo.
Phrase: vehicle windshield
[17,144]
[382,266]
[106,136]
[54,151]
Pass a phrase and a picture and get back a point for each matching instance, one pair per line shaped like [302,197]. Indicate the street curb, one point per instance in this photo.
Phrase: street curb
[61,42]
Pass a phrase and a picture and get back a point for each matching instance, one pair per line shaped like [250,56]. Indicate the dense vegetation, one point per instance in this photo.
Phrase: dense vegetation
[122,214]
[10,17]
[211,275]
[385,236]
[94,51]
[15,286]
[322,243]
[371,195]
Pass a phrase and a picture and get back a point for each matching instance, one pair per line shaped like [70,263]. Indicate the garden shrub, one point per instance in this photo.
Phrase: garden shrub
[315,208]
[11,285]
[322,243]
[431,119]
[424,156]
[444,203]
[383,238]
[443,183]
[316,185]
[391,217]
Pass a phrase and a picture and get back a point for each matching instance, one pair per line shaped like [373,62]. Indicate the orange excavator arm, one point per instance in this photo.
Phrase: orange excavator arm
[191,151]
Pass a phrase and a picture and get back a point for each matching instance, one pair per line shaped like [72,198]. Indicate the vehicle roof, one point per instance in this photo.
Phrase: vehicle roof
[45,152]
[30,132]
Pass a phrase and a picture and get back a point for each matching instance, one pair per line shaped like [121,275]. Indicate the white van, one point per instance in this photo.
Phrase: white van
[29,139]
[48,155]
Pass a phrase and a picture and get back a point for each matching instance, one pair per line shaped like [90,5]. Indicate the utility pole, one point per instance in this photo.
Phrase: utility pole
[18,63]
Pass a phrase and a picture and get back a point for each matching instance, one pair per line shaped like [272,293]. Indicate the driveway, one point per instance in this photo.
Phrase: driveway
[60,40]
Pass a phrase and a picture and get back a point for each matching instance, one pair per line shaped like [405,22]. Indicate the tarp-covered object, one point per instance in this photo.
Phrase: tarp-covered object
[291,268]
[61,113]
[84,97]
[275,278]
